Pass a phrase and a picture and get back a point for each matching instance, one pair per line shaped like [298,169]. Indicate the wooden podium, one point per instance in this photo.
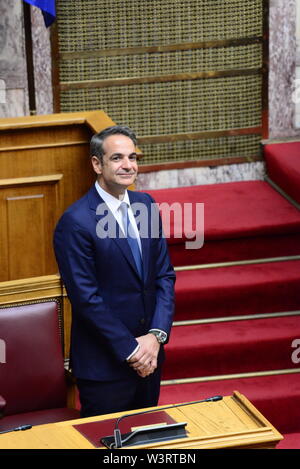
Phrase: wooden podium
[232,422]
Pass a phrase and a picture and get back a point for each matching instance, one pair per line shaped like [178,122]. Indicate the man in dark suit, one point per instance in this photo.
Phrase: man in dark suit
[119,280]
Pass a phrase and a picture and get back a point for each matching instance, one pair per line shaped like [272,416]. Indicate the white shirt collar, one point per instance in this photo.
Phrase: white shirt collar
[112,202]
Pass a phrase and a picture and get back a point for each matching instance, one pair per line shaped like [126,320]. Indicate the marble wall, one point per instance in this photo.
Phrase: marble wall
[42,63]
[199,176]
[13,72]
[282,68]
[13,75]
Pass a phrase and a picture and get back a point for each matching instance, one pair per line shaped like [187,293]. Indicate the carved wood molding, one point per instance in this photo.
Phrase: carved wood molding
[30,181]
[27,289]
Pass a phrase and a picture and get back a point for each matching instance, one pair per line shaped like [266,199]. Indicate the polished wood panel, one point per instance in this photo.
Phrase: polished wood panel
[231,423]
[23,226]
[44,168]
[27,225]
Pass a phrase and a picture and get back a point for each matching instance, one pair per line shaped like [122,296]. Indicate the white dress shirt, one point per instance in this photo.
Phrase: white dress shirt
[114,205]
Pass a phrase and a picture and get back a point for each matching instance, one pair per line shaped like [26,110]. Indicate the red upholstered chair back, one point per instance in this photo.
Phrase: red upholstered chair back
[32,376]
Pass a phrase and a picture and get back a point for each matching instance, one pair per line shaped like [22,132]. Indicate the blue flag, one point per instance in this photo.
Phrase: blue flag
[48,9]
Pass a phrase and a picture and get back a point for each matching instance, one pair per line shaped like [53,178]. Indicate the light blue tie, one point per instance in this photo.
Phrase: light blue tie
[131,238]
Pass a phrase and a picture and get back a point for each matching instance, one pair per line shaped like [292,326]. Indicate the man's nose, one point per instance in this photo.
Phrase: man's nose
[126,163]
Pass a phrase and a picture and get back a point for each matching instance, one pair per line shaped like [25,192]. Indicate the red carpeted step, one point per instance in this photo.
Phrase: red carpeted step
[276,397]
[290,441]
[227,250]
[231,347]
[239,218]
[238,290]
[283,166]
[242,221]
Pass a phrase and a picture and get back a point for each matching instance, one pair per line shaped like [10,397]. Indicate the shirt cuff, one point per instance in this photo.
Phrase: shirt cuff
[135,350]
[158,330]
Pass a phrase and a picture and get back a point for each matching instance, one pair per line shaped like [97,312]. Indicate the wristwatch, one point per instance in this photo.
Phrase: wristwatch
[161,336]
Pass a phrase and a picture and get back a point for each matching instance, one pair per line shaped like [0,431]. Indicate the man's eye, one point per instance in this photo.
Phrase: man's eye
[133,157]
[116,158]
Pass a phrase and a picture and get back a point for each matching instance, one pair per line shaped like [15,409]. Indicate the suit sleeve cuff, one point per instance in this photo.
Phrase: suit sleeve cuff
[135,350]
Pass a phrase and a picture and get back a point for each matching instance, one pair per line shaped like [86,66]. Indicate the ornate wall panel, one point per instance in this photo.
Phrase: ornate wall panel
[188,76]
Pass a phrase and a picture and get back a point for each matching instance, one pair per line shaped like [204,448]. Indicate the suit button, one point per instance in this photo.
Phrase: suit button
[142,321]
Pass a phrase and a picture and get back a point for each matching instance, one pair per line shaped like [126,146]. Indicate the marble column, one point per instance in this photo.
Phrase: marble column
[13,75]
[282,59]
[42,63]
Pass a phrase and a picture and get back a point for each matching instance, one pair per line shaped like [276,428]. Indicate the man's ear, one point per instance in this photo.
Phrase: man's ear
[96,163]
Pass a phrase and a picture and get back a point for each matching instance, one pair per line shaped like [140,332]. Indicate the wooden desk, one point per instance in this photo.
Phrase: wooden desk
[230,423]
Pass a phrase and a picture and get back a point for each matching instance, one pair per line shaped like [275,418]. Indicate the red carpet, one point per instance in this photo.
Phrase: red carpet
[235,209]
[242,221]
[283,166]
[290,441]
[239,222]
[227,250]
[251,345]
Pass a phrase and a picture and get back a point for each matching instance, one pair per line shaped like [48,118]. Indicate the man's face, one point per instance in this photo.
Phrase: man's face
[118,169]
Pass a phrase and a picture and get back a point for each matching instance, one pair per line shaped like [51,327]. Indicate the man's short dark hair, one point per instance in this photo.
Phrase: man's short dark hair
[97,140]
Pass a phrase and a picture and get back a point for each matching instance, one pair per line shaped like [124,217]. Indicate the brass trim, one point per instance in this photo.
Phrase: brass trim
[245,317]
[233,42]
[269,141]
[107,83]
[199,135]
[254,374]
[62,119]
[234,263]
[282,192]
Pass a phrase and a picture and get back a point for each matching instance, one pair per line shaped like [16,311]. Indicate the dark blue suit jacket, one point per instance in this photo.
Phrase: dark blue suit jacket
[111,304]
